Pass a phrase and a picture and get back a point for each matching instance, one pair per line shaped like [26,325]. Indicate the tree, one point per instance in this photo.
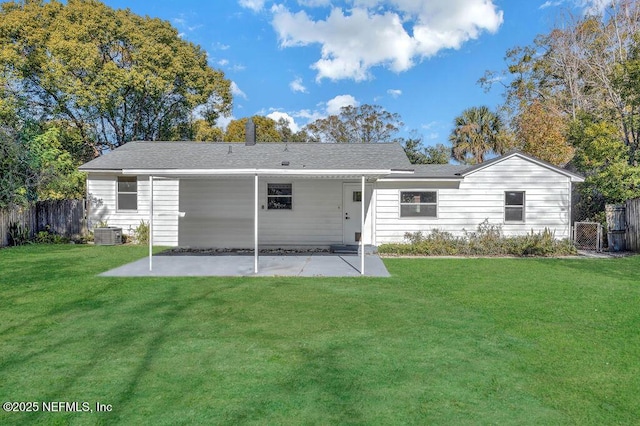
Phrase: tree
[542,133]
[437,154]
[113,75]
[266,130]
[584,65]
[418,154]
[361,124]
[604,159]
[34,166]
[476,134]
[204,131]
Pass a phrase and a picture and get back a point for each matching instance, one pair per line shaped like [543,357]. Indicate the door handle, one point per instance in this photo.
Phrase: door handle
[346,216]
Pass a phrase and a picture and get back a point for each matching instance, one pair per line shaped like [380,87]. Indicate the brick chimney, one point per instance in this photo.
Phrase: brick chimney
[250,131]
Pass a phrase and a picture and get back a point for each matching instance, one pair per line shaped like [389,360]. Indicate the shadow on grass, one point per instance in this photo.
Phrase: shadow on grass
[144,339]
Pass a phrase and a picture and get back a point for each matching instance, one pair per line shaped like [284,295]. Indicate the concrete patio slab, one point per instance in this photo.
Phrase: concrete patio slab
[308,265]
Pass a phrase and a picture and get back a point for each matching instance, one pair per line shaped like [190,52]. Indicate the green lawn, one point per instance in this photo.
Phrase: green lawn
[444,341]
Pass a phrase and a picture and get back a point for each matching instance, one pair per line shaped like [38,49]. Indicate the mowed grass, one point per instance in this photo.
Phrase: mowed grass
[443,341]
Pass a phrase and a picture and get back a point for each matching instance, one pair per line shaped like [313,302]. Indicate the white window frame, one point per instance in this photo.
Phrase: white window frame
[400,204]
[118,192]
[270,196]
[515,206]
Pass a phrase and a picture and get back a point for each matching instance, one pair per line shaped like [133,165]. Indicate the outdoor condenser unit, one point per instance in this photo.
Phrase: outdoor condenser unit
[108,236]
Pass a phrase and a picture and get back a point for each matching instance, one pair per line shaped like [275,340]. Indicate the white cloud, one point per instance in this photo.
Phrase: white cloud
[430,125]
[236,91]
[547,4]
[277,115]
[334,105]
[308,115]
[255,5]
[394,93]
[223,62]
[314,3]
[297,86]
[432,136]
[589,7]
[223,121]
[390,33]
[594,6]
[220,46]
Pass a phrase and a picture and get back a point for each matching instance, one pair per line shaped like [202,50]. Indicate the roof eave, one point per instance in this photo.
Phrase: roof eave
[259,172]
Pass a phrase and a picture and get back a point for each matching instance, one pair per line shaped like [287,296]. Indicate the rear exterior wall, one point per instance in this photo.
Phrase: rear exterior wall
[102,197]
[465,204]
[219,213]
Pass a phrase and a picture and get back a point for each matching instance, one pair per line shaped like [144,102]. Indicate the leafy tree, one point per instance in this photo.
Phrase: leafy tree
[418,154]
[437,154]
[476,134]
[113,75]
[542,133]
[266,130]
[361,124]
[604,159]
[330,129]
[585,64]
[13,171]
[35,166]
[205,132]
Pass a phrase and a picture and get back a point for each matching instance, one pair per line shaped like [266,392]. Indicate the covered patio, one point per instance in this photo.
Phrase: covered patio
[270,265]
[298,265]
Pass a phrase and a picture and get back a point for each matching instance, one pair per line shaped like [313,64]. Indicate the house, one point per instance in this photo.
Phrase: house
[234,195]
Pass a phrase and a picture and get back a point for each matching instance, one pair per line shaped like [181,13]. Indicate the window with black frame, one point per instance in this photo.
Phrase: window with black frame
[419,204]
[279,196]
[127,193]
[514,206]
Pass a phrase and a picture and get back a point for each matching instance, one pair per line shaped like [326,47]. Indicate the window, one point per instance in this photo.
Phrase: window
[357,196]
[127,193]
[419,204]
[279,196]
[514,206]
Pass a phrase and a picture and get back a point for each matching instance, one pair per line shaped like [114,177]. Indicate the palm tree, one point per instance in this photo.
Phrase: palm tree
[477,132]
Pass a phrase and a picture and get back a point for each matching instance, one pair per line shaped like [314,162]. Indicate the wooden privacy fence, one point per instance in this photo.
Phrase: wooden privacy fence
[632,218]
[61,217]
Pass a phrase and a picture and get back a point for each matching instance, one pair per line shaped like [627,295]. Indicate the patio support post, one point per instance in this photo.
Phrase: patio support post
[150,223]
[255,224]
[363,199]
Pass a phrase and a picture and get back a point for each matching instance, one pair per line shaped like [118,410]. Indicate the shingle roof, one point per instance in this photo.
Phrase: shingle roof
[214,155]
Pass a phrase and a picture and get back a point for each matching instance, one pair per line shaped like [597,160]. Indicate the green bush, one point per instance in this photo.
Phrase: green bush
[48,237]
[487,240]
[18,234]
[141,233]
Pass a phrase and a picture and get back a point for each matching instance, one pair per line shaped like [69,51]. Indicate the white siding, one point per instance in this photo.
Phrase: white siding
[102,194]
[478,197]
[219,213]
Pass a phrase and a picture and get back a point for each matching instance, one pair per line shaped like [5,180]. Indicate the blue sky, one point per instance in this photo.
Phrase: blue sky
[304,59]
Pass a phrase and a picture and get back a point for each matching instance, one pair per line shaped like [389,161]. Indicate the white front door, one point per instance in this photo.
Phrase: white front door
[352,199]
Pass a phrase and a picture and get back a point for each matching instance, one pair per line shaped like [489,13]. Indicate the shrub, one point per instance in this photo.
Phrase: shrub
[487,240]
[141,233]
[46,237]
[18,234]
